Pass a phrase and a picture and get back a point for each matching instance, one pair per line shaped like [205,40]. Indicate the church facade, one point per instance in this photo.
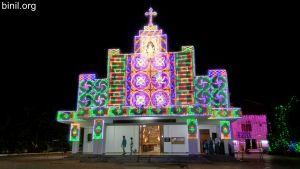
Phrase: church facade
[153,96]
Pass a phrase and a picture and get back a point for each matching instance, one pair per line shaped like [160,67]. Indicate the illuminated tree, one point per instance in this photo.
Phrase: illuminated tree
[279,135]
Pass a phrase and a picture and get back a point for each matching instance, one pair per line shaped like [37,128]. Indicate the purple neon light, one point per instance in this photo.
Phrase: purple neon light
[160,80]
[140,81]
[160,62]
[140,99]
[140,63]
[160,99]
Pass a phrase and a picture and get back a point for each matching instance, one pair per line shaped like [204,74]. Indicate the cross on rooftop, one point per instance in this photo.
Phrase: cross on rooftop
[150,14]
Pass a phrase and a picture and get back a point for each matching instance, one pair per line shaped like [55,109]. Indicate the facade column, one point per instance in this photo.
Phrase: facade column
[226,146]
[193,136]
[74,137]
[75,147]
[225,132]
[87,140]
[98,136]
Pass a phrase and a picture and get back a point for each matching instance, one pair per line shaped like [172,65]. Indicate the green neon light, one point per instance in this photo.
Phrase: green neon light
[191,110]
[74,132]
[98,130]
[97,111]
[61,116]
[150,110]
[225,129]
[192,126]
[83,111]
[170,110]
[111,111]
[131,111]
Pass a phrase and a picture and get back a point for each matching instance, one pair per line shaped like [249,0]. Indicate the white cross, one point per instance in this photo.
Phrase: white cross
[150,13]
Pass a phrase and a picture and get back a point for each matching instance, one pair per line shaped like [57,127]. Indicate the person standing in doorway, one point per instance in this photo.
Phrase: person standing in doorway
[205,146]
[131,145]
[123,145]
[222,148]
[210,146]
[217,145]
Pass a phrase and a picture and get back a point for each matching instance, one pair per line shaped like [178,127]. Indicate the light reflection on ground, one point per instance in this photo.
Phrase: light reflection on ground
[56,162]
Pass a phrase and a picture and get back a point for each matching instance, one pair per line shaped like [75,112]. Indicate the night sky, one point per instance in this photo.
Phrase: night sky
[43,52]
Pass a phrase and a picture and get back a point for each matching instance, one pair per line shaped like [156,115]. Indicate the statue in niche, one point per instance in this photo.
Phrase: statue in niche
[150,49]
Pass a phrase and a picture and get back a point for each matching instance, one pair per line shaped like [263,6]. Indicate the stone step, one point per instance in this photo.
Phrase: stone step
[144,159]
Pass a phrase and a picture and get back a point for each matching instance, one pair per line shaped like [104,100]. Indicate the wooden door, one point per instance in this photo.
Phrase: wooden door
[204,136]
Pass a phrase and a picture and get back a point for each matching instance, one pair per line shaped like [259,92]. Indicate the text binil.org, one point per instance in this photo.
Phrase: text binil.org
[18,6]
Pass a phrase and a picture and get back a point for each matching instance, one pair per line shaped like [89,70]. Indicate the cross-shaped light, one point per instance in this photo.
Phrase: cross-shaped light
[150,14]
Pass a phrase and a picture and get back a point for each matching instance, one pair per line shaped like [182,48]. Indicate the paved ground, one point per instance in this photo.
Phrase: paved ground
[56,162]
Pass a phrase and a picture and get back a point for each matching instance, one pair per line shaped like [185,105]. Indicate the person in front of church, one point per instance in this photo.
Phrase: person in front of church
[123,145]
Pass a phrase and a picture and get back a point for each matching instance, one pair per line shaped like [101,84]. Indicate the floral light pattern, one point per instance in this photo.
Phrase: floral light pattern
[160,99]
[140,81]
[160,80]
[140,99]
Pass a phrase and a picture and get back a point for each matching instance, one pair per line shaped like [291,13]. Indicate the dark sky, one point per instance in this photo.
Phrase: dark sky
[43,52]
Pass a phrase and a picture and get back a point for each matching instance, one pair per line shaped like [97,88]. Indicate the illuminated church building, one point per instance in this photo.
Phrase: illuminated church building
[154,96]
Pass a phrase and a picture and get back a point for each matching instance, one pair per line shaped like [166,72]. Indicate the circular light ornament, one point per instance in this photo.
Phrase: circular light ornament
[203,83]
[140,99]
[220,98]
[85,100]
[219,82]
[86,86]
[140,81]
[160,99]
[100,99]
[160,80]
[160,62]
[203,98]
[101,85]
[140,63]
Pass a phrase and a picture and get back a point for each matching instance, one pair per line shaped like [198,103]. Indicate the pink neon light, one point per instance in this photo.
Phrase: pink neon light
[258,130]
